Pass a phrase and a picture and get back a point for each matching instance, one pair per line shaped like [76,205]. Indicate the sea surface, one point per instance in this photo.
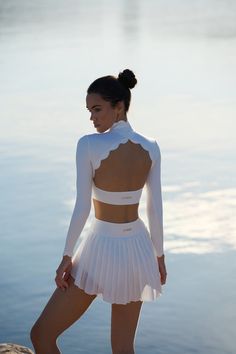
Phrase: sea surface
[183,53]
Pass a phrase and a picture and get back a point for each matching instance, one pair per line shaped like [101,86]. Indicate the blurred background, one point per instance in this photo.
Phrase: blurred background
[183,53]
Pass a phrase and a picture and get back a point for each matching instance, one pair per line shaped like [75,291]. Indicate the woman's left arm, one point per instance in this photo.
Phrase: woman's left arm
[155,211]
[154,203]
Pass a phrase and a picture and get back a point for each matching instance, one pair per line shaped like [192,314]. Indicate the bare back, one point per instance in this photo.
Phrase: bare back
[125,169]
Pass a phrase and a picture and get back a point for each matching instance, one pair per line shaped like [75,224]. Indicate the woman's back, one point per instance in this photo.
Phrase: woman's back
[125,169]
[120,164]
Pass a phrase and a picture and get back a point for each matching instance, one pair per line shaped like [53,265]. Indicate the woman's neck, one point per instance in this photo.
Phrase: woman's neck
[122,118]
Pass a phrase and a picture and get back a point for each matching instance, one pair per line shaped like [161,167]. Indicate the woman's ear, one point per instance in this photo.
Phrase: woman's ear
[120,107]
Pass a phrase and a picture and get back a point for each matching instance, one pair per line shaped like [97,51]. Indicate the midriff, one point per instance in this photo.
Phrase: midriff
[115,213]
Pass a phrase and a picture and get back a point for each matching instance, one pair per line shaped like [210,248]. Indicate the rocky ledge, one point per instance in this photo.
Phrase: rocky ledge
[10,348]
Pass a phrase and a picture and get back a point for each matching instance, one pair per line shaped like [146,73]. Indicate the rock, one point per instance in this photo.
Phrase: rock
[10,348]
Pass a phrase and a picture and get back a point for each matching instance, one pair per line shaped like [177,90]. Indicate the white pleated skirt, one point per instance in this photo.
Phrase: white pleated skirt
[116,261]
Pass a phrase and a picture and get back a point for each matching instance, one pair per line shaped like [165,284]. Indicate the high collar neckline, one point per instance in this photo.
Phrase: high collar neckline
[121,125]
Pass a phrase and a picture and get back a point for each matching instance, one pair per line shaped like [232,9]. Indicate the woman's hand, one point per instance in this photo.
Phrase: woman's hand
[63,272]
[162,268]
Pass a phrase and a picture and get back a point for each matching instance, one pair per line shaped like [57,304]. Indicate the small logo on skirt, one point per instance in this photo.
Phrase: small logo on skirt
[127,229]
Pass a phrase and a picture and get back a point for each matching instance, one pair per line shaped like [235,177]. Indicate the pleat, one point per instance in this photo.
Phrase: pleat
[85,277]
[133,271]
[119,274]
[139,267]
[128,285]
[77,260]
[77,266]
[133,289]
[104,264]
[98,247]
[91,264]
[101,251]
[112,270]
[108,265]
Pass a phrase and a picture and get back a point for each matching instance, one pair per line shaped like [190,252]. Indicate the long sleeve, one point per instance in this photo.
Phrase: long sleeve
[154,203]
[83,195]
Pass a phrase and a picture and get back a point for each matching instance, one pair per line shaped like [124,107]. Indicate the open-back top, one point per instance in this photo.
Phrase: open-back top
[92,151]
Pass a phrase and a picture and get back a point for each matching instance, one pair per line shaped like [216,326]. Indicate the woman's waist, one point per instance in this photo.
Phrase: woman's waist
[118,229]
[115,213]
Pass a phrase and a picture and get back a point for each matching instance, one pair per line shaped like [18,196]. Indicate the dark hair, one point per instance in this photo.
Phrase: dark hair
[114,89]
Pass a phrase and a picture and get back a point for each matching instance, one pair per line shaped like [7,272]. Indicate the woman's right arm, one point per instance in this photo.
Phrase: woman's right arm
[83,195]
[81,209]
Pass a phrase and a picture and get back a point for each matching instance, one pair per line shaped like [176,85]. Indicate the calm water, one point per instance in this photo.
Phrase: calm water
[183,53]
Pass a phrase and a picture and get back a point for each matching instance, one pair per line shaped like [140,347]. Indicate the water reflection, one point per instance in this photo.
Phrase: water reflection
[201,223]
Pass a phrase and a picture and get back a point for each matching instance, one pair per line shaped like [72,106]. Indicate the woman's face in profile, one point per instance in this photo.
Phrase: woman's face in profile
[103,114]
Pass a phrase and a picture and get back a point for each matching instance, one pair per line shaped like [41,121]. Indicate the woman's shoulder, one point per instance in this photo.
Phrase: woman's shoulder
[97,139]
[149,143]
[96,143]
[148,139]
[87,138]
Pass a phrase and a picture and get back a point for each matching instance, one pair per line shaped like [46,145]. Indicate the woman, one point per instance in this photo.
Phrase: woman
[119,259]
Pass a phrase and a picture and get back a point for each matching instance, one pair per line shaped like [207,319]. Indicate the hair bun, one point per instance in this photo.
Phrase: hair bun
[127,78]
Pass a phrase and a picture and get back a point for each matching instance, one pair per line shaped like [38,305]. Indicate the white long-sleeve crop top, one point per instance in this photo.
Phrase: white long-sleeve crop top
[91,150]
